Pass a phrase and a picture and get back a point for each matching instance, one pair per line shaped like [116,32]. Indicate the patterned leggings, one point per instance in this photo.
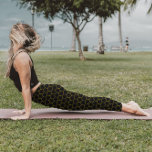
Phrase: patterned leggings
[56,96]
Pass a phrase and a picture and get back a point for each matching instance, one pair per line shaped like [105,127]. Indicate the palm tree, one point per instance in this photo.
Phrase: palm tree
[101,45]
[124,6]
[120,30]
[100,40]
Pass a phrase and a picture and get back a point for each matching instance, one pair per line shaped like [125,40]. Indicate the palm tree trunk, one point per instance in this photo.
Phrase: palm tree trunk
[120,31]
[73,48]
[101,43]
[79,46]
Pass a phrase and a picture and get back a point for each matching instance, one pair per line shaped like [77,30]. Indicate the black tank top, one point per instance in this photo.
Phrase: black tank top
[14,76]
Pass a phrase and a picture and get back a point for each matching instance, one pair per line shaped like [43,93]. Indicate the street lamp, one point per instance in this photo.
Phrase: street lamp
[51,28]
[32,12]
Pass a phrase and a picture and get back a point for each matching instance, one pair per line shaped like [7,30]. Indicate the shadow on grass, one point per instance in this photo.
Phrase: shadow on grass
[93,59]
[109,59]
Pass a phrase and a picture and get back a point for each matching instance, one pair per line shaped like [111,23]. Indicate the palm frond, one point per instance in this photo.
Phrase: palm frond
[150,9]
[130,5]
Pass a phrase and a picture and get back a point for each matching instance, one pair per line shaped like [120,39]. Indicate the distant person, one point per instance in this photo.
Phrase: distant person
[127,45]
[25,40]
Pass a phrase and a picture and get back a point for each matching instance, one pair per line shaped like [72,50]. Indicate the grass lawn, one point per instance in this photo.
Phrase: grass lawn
[120,76]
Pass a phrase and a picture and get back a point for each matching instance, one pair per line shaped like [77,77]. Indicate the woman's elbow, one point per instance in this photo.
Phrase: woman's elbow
[25,89]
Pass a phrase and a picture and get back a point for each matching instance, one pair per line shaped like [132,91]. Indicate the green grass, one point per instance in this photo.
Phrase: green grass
[120,76]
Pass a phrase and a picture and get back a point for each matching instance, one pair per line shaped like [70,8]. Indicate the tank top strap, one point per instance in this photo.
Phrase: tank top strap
[20,50]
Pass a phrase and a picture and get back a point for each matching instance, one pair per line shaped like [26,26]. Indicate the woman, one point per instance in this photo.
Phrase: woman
[25,40]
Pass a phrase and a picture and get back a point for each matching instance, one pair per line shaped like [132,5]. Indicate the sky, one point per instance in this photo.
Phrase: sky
[137,26]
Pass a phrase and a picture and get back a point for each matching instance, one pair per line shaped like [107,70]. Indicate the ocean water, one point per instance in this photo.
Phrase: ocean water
[144,49]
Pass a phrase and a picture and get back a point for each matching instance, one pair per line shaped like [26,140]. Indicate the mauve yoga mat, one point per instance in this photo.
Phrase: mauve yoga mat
[53,113]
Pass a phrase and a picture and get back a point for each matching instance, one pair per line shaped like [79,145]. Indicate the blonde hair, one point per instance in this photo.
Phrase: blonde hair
[24,35]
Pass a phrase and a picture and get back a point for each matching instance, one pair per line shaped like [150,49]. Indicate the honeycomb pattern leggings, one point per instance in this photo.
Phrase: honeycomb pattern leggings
[54,95]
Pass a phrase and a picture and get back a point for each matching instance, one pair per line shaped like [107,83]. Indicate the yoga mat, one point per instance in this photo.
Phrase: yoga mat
[53,113]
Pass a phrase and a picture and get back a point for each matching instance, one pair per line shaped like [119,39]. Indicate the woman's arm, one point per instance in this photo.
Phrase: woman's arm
[22,64]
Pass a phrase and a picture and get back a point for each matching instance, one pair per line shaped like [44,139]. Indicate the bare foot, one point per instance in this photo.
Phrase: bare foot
[133,107]
[139,111]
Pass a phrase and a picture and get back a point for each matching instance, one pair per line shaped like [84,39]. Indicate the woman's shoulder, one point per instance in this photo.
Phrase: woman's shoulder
[22,58]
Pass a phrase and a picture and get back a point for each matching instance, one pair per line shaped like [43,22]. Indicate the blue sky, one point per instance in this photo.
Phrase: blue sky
[138,27]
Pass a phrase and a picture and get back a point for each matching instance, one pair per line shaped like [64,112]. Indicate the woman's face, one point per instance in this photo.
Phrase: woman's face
[15,44]
[14,36]
[15,39]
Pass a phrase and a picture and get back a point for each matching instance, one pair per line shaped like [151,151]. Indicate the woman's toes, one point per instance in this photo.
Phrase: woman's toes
[142,112]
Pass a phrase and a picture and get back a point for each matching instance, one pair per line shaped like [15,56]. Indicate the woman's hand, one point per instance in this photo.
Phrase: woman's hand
[22,117]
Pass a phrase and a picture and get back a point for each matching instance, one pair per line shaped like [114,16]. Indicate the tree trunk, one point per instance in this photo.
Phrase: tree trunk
[79,46]
[73,48]
[100,44]
[120,31]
